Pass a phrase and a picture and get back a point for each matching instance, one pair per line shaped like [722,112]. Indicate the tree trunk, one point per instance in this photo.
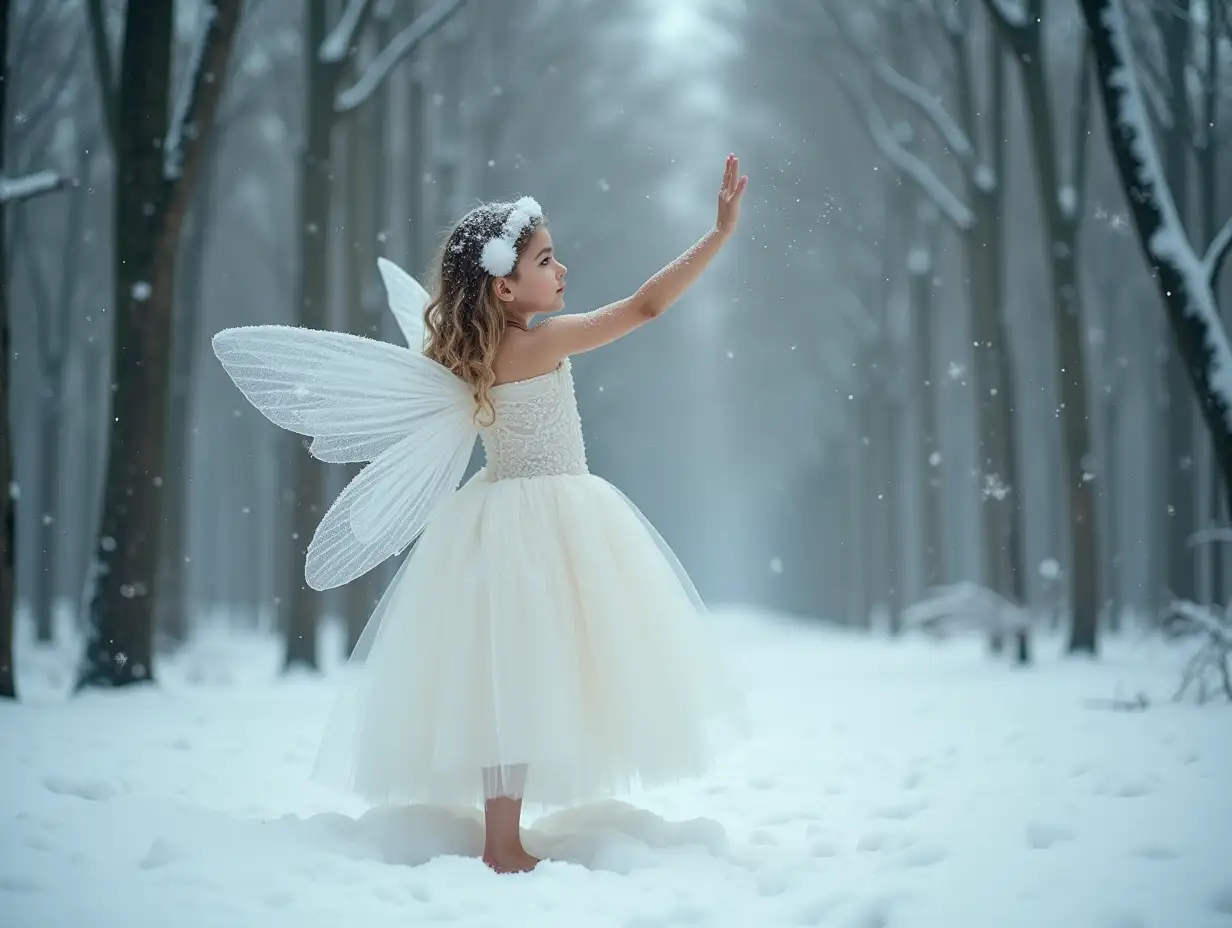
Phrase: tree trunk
[172,604]
[859,510]
[929,461]
[47,508]
[1084,572]
[417,161]
[997,511]
[878,572]
[315,183]
[1111,489]
[1173,23]
[1061,227]
[8,494]
[149,211]
[1208,182]
[895,500]
[53,519]
[1001,508]
[359,597]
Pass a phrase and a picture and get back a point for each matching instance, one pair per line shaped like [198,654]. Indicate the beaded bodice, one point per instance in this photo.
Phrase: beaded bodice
[537,431]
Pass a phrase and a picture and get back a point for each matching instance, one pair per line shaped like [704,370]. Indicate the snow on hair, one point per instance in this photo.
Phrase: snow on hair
[500,252]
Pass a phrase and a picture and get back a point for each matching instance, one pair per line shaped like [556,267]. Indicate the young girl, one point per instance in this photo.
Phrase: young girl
[541,642]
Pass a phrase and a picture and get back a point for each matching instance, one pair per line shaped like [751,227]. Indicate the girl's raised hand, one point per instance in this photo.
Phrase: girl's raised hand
[730,192]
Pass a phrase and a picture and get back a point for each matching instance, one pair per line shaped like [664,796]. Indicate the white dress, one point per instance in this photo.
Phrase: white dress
[540,620]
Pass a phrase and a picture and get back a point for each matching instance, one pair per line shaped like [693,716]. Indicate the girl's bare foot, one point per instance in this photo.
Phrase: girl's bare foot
[509,860]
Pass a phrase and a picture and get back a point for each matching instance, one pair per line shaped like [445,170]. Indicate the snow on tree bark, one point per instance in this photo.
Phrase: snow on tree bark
[1183,278]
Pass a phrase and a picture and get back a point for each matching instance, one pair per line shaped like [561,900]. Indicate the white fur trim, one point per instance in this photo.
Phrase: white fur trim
[499,252]
[499,257]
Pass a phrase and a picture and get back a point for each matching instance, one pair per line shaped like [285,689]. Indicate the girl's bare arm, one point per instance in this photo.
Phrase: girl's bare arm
[573,334]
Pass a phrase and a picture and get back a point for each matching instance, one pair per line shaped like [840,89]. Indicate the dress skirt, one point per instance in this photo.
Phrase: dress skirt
[538,621]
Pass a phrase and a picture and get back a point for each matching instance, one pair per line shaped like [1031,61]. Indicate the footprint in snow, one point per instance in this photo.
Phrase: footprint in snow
[93,790]
[902,811]
[1221,900]
[1043,835]
[1125,788]
[1153,851]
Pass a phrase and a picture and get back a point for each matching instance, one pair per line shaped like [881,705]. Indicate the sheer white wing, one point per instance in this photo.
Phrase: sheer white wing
[359,400]
[407,300]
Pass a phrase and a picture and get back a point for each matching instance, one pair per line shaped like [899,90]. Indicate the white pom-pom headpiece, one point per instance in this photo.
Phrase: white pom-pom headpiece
[500,252]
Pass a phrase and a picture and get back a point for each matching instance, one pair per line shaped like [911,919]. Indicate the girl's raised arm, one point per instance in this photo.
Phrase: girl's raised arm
[581,332]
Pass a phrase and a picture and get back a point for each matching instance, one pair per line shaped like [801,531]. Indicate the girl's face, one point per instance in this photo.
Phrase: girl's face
[540,284]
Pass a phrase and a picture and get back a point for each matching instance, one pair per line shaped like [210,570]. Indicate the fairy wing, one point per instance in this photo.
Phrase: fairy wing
[359,400]
[407,300]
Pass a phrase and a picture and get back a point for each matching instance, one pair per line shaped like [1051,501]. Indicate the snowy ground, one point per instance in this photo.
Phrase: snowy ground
[888,785]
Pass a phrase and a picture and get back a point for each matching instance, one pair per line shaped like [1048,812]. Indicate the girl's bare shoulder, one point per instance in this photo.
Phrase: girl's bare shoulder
[523,355]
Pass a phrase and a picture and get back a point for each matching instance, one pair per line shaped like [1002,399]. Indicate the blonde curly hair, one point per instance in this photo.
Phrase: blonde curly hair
[464,320]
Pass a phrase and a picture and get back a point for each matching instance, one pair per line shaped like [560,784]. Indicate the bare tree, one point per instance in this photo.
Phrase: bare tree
[11,191]
[977,149]
[41,84]
[241,102]
[157,154]
[329,57]
[1185,277]
[1061,201]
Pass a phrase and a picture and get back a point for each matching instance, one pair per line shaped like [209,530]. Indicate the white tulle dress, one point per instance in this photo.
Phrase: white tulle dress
[540,639]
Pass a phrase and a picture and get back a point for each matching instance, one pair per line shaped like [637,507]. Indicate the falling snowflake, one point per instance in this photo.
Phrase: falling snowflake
[141,291]
[776,565]
[956,371]
[995,487]
[121,659]
[107,543]
[934,459]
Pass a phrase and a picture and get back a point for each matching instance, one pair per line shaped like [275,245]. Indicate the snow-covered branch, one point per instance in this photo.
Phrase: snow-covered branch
[173,147]
[1202,619]
[1214,657]
[913,167]
[340,39]
[932,107]
[1208,535]
[1220,245]
[17,189]
[402,45]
